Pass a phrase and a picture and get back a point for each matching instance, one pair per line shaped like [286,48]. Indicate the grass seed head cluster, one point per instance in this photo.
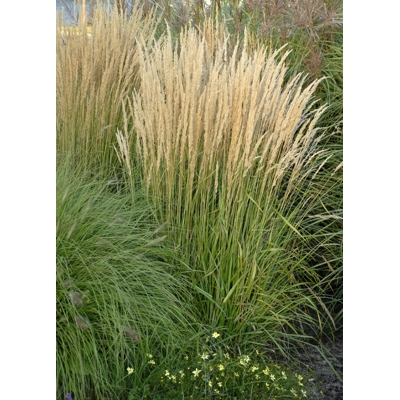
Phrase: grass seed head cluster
[94,75]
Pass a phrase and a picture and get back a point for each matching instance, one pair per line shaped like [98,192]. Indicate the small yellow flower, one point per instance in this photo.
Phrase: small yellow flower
[219,384]
[149,356]
[166,372]
[303,392]
[244,360]
[236,374]
[152,362]
[130,370]
[272,377]
[266,371]
[182,374]
[284,375]
[205,356]
[196,372]
[254,369]
[215,335]
[267,384]
[210,383]
[299,377]
[220,367]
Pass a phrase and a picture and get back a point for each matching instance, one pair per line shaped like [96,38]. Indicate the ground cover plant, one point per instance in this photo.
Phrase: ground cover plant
[198,196]
[218,372]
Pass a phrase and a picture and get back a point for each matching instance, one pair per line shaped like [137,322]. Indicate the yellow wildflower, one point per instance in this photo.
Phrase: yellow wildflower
[215,335]
[196,372]
[244,360]
[130,370]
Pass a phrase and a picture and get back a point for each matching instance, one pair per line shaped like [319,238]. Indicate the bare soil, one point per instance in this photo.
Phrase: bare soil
[322,368]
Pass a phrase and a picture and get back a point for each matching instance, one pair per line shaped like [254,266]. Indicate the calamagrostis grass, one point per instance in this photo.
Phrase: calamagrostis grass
[230,148]
[94,74]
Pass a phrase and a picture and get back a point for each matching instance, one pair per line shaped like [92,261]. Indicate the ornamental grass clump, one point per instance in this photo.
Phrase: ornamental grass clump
[116,297]
[94,74]
[228,148]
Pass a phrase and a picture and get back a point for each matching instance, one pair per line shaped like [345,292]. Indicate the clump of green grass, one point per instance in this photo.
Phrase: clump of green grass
[117,299]
[218,371]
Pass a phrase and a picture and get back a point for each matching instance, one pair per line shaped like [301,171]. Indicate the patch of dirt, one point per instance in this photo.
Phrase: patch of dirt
[323,372]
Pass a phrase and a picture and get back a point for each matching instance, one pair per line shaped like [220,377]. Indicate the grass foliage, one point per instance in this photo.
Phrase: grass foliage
[117,298]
